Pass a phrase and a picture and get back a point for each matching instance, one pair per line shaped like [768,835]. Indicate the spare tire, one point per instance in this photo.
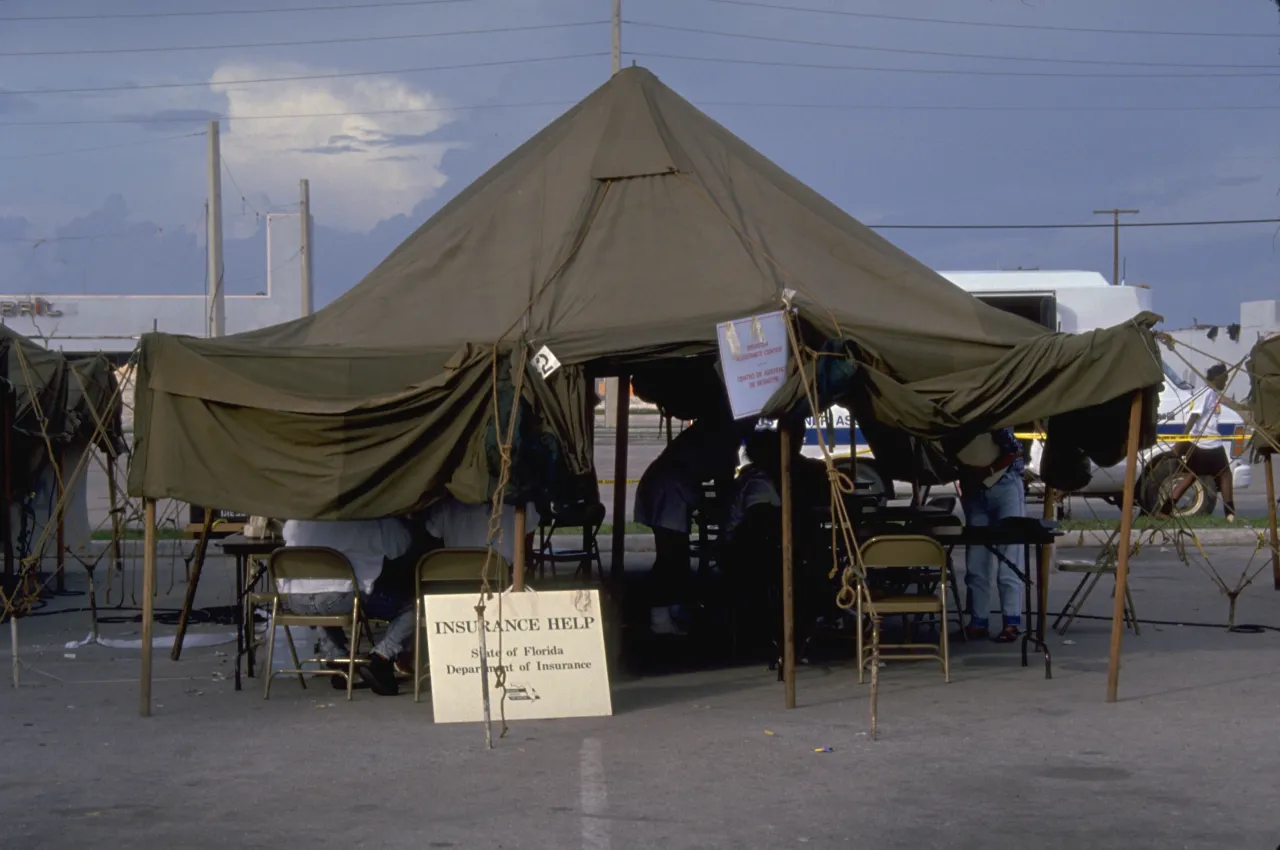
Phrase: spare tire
[1159,480]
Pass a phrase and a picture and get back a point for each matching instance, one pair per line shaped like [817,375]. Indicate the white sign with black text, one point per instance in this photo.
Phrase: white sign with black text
[753,355]
[549,646]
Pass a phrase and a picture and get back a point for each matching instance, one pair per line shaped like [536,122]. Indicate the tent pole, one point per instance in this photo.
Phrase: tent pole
[202,549]
[1126,534]
[7,436]
[148,599]
[1045,560]
[788,579]
[623,401]
[1271,518]
[117,559]
[517,568]
[60,576]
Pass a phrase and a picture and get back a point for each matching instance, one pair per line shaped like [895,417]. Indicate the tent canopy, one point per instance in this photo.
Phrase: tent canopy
[1264,396]
[621,233]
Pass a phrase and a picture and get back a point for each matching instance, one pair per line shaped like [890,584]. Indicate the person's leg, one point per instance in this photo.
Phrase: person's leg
[1008,499]
[977,565]
[670,577]
[397,610]
[333,641]
[1226,485]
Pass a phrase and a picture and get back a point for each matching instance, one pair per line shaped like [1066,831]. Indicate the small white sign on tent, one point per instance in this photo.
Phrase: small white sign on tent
[549,645]
[753,356]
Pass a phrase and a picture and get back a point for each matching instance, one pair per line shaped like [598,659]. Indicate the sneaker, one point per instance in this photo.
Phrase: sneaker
[380,673]
[661,622]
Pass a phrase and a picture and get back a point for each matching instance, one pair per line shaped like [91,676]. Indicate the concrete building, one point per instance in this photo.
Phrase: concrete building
[1204,345]
[114,323]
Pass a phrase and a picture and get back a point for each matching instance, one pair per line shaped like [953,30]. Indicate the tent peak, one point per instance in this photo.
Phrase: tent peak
[637,140]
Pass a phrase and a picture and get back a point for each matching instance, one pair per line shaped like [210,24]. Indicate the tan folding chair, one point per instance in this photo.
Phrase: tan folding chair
[312,563]
[899,551]
[450,571]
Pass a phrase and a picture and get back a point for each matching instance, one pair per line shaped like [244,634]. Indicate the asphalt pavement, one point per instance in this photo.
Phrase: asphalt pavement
[1001,757]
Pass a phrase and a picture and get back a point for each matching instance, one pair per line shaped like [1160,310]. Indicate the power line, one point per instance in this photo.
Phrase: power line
[310,42]
[957,71]
[102,147]
[169,119]
[37,241]
[302,77]
[952,22]
[941,53]
[340,7]
[950,107]
[1207,223]
[851,107]
[236,184]
[211,117]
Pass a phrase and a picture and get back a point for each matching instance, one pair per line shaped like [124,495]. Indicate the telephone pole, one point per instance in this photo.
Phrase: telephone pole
[1115,214]
[611,384]
[617,36]
[304,210]
[215,304]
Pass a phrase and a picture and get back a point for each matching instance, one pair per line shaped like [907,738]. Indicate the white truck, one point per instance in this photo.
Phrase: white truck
[1072,302]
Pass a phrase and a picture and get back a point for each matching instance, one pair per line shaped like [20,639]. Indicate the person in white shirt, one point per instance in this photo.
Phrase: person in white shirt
[459,525]
[368,545]
[1207,452]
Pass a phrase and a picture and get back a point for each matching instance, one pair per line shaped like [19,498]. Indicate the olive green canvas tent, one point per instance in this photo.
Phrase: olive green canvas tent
[620,234]
[1264,394]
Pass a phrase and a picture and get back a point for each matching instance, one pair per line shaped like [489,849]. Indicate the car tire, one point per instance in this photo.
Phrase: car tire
[1162,476]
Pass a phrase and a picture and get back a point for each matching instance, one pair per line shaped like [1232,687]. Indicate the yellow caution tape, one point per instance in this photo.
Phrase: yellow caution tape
[1163,438]
[614,480]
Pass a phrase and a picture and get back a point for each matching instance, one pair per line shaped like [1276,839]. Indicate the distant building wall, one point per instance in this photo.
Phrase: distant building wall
[1258,320]
[114,323]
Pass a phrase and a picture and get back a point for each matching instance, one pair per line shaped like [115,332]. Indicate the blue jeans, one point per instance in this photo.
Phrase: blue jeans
[1005,498]
[381,606]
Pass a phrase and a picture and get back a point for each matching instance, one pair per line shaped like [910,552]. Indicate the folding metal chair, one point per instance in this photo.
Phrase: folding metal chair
[914,551]
[589,518]
[1091,573]
[450,570]
[312,563]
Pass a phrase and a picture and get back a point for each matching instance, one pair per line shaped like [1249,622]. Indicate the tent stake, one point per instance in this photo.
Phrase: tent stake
[60,577]
[518,567]
[1045,560]
[620,479]
[1271,519]
[117,560]
[6,433]
[1126,533]
[13,644]
[148,599]
[202,548]
[788,582]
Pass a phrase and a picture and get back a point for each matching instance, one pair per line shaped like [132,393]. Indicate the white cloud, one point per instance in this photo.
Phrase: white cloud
[363,168]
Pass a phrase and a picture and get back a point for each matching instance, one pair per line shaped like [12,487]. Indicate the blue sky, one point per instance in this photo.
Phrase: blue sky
[97,196]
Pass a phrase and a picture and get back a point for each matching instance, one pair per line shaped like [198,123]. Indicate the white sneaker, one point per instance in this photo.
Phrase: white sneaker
[662,623]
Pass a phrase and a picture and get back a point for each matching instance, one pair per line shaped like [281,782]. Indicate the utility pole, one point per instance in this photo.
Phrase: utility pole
[304,210]
[1115,273]
[617,36]
[215,304]
[611,384]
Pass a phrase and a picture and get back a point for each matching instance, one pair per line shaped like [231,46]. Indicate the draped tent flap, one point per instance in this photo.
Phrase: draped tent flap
[1264,395]
[623,232]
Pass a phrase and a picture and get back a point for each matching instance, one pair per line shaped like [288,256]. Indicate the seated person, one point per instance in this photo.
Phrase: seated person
[756,484]
[368,545]
[459,526]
